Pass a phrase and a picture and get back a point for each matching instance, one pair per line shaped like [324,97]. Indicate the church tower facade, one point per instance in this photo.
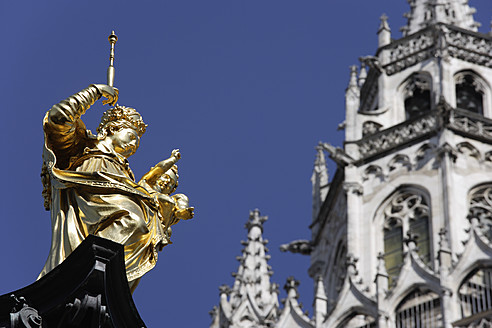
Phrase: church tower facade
[402,236]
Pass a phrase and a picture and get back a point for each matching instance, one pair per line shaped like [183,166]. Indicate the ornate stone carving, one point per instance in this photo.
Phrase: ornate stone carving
[85,311]
[458,120]
[481,208]
[304,247]
[408,52]
[441,40]
[370,127]
[337,154]
[405,206]
[400,161]
[471,124]
[397,135]
[468,149]
[24,316]
[375,171]
[470,47]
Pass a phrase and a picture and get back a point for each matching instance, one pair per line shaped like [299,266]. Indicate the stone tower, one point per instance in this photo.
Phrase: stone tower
[402,235]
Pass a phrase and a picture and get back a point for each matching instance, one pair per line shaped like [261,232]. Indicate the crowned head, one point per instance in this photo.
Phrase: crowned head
[120,129]
[119,117]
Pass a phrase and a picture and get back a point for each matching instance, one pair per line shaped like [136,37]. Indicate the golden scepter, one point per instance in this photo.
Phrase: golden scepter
[112,40]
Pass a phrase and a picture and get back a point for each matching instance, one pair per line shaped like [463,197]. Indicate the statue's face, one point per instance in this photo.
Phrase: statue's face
[165,184]
[125,141]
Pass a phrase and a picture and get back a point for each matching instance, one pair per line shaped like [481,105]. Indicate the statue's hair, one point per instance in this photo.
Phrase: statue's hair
[118,117]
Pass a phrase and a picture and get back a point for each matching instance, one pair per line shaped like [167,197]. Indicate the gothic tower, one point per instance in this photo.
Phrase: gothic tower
[402,236]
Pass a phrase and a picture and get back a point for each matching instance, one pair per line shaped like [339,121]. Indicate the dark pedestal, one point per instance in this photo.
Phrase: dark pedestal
[89,289]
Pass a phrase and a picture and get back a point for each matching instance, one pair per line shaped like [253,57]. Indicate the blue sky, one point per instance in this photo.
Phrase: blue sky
[245,89]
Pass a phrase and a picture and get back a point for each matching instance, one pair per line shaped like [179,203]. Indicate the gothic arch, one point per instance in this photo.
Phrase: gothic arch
[416,94]
[468,149]
[400,161]
[420,307]
[407,210]
[475,291]
[358,320]
[373,171]
[472,93]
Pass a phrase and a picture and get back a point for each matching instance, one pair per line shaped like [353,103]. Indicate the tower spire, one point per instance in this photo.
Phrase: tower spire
[428,12]
[252,296]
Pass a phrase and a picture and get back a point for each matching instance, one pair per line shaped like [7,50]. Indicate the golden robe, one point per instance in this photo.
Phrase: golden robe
[90,189]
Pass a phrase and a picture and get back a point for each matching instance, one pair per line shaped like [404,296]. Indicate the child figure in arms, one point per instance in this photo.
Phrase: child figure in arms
[161,181]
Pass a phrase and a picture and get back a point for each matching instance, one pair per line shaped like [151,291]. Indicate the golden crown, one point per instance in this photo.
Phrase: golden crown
[122,113]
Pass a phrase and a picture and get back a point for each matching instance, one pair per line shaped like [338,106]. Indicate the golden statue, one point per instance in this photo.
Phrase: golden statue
[90,189]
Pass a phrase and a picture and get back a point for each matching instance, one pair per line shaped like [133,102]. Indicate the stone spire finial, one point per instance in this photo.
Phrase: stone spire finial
[353,77]
[291,287]
[252,279]
[384,32]
[428,12]
[255,220]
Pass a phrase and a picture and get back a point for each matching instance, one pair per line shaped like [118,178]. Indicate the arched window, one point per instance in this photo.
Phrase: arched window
[406,212]
[421,308]
[469,92]
[419,226]
[393,248]
[475,292]
[417,94]
[358,321]
[480,200]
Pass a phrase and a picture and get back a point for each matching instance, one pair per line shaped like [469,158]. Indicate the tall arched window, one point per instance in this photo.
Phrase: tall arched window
[480,200]
[421,308]
[406,212]
[393,248]
[469,92]
[475,292]
[419,226]
[417,94]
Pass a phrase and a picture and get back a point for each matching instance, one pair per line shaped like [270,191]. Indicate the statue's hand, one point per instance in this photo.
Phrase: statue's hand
[176,154]
[110,93]
[185,213]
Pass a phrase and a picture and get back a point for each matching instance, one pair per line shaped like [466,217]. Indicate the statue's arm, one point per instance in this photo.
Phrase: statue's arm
[62,122]
[161,167]
[64,115]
